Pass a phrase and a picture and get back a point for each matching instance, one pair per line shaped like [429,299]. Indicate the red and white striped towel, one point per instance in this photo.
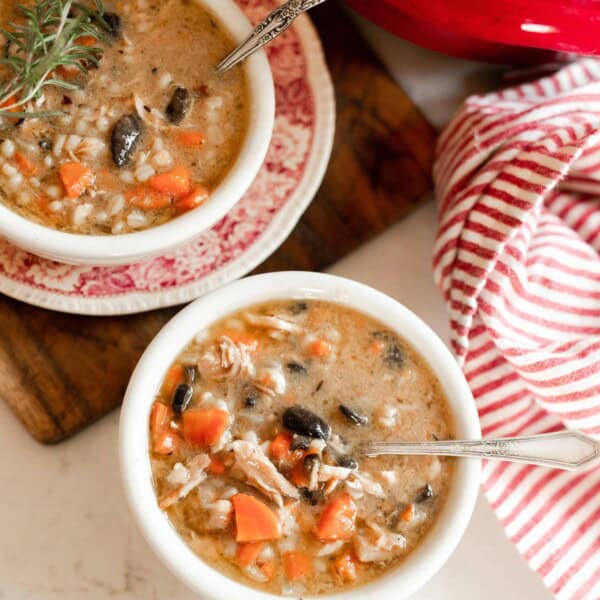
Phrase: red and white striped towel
[517,258]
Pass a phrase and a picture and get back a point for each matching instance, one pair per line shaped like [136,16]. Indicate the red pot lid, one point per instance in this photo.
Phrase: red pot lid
[515,31]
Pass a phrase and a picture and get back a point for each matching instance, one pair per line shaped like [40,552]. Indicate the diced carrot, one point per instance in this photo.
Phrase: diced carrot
[320,348]
[247,554]
[66,72]
[254,520]
[158,417]
[175,375]
[299,475]
[297,565]
[9,102]
[76,178]
[280,446]
[376,347]
[86,40]
[242,337]
[25,165]
[345,567]
[197,197]
[175,182]
[216,467]
[337,520]
[409,514]
[191,139]
[268,569]
[166,442]
[147,198]
[204,426]
[43,202]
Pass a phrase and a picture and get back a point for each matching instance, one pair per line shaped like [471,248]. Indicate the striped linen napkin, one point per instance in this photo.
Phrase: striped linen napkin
[517,259]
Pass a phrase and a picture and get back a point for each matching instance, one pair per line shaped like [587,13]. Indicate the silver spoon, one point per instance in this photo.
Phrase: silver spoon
[568,450]
[266,31]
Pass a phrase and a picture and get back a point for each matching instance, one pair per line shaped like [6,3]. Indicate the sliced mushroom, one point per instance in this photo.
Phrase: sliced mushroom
[306,423]
[353,416]
[125,137]
[425,494]
[179,105]
[182,397]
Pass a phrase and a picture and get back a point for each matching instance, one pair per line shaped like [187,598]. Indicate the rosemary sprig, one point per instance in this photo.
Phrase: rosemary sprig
[45,41]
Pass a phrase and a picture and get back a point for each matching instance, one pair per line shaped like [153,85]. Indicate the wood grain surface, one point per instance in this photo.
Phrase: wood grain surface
[61,372]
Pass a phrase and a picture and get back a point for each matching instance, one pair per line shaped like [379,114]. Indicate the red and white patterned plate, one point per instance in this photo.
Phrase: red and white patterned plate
[259,223]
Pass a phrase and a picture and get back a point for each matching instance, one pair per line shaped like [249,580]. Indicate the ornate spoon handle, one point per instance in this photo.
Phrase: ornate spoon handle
[266,31]
[569,450]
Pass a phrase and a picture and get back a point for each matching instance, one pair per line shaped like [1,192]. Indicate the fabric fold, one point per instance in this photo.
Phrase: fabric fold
[516,258]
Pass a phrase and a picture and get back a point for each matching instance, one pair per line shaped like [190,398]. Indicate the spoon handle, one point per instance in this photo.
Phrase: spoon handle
[569,450]
[266,31]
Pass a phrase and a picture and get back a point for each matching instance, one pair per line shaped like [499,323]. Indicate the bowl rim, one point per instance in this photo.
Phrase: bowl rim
[110,249]
[449,528]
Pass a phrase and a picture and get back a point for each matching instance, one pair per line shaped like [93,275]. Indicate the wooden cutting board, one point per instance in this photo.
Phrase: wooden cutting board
[62,372]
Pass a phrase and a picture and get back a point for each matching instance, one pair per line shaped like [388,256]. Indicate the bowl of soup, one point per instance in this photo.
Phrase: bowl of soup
[147,148]
[241,432]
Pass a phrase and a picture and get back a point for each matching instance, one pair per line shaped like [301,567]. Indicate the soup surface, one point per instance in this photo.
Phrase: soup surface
[149,135]
[254,441]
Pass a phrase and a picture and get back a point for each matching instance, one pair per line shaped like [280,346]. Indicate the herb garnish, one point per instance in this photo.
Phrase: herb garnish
[48,39]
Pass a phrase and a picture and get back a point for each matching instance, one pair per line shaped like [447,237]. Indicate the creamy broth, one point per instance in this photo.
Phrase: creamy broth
[230,437]
[155,77]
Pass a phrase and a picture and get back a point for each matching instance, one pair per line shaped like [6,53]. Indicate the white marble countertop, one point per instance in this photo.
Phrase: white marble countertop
[66,531]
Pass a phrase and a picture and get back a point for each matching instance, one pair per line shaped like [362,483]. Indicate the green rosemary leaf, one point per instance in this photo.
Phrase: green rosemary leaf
[61,83]
[47,40]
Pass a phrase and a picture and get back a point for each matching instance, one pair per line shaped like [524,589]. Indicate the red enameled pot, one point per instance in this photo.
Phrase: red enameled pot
[501,31]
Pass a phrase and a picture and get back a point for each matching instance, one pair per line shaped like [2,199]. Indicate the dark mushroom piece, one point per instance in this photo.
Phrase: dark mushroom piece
[306,423]
[340,457]
[299,443]
[182,398]
[252,397]
[394,354]
[346,461]
[425,494]
[311,496]
[179,105]
[113,20]
[294,367]
[354,417]
[298,307]
[125,137]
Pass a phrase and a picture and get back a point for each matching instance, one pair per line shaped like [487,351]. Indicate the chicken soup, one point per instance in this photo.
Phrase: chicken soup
[255,442]
[130,126]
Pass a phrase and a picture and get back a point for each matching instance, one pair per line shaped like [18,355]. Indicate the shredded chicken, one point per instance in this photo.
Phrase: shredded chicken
[330,486]
[331,548]
[366,483]
[219,515]
[270,380]
[271,322]
[389,478]
[196,474]
[154,118]
[261,472]
[256,574]
[227,360]
[179,475]
[313,483]
[377,544]
[328,472]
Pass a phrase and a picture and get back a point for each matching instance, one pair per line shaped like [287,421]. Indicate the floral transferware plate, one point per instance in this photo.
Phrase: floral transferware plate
[258,224]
